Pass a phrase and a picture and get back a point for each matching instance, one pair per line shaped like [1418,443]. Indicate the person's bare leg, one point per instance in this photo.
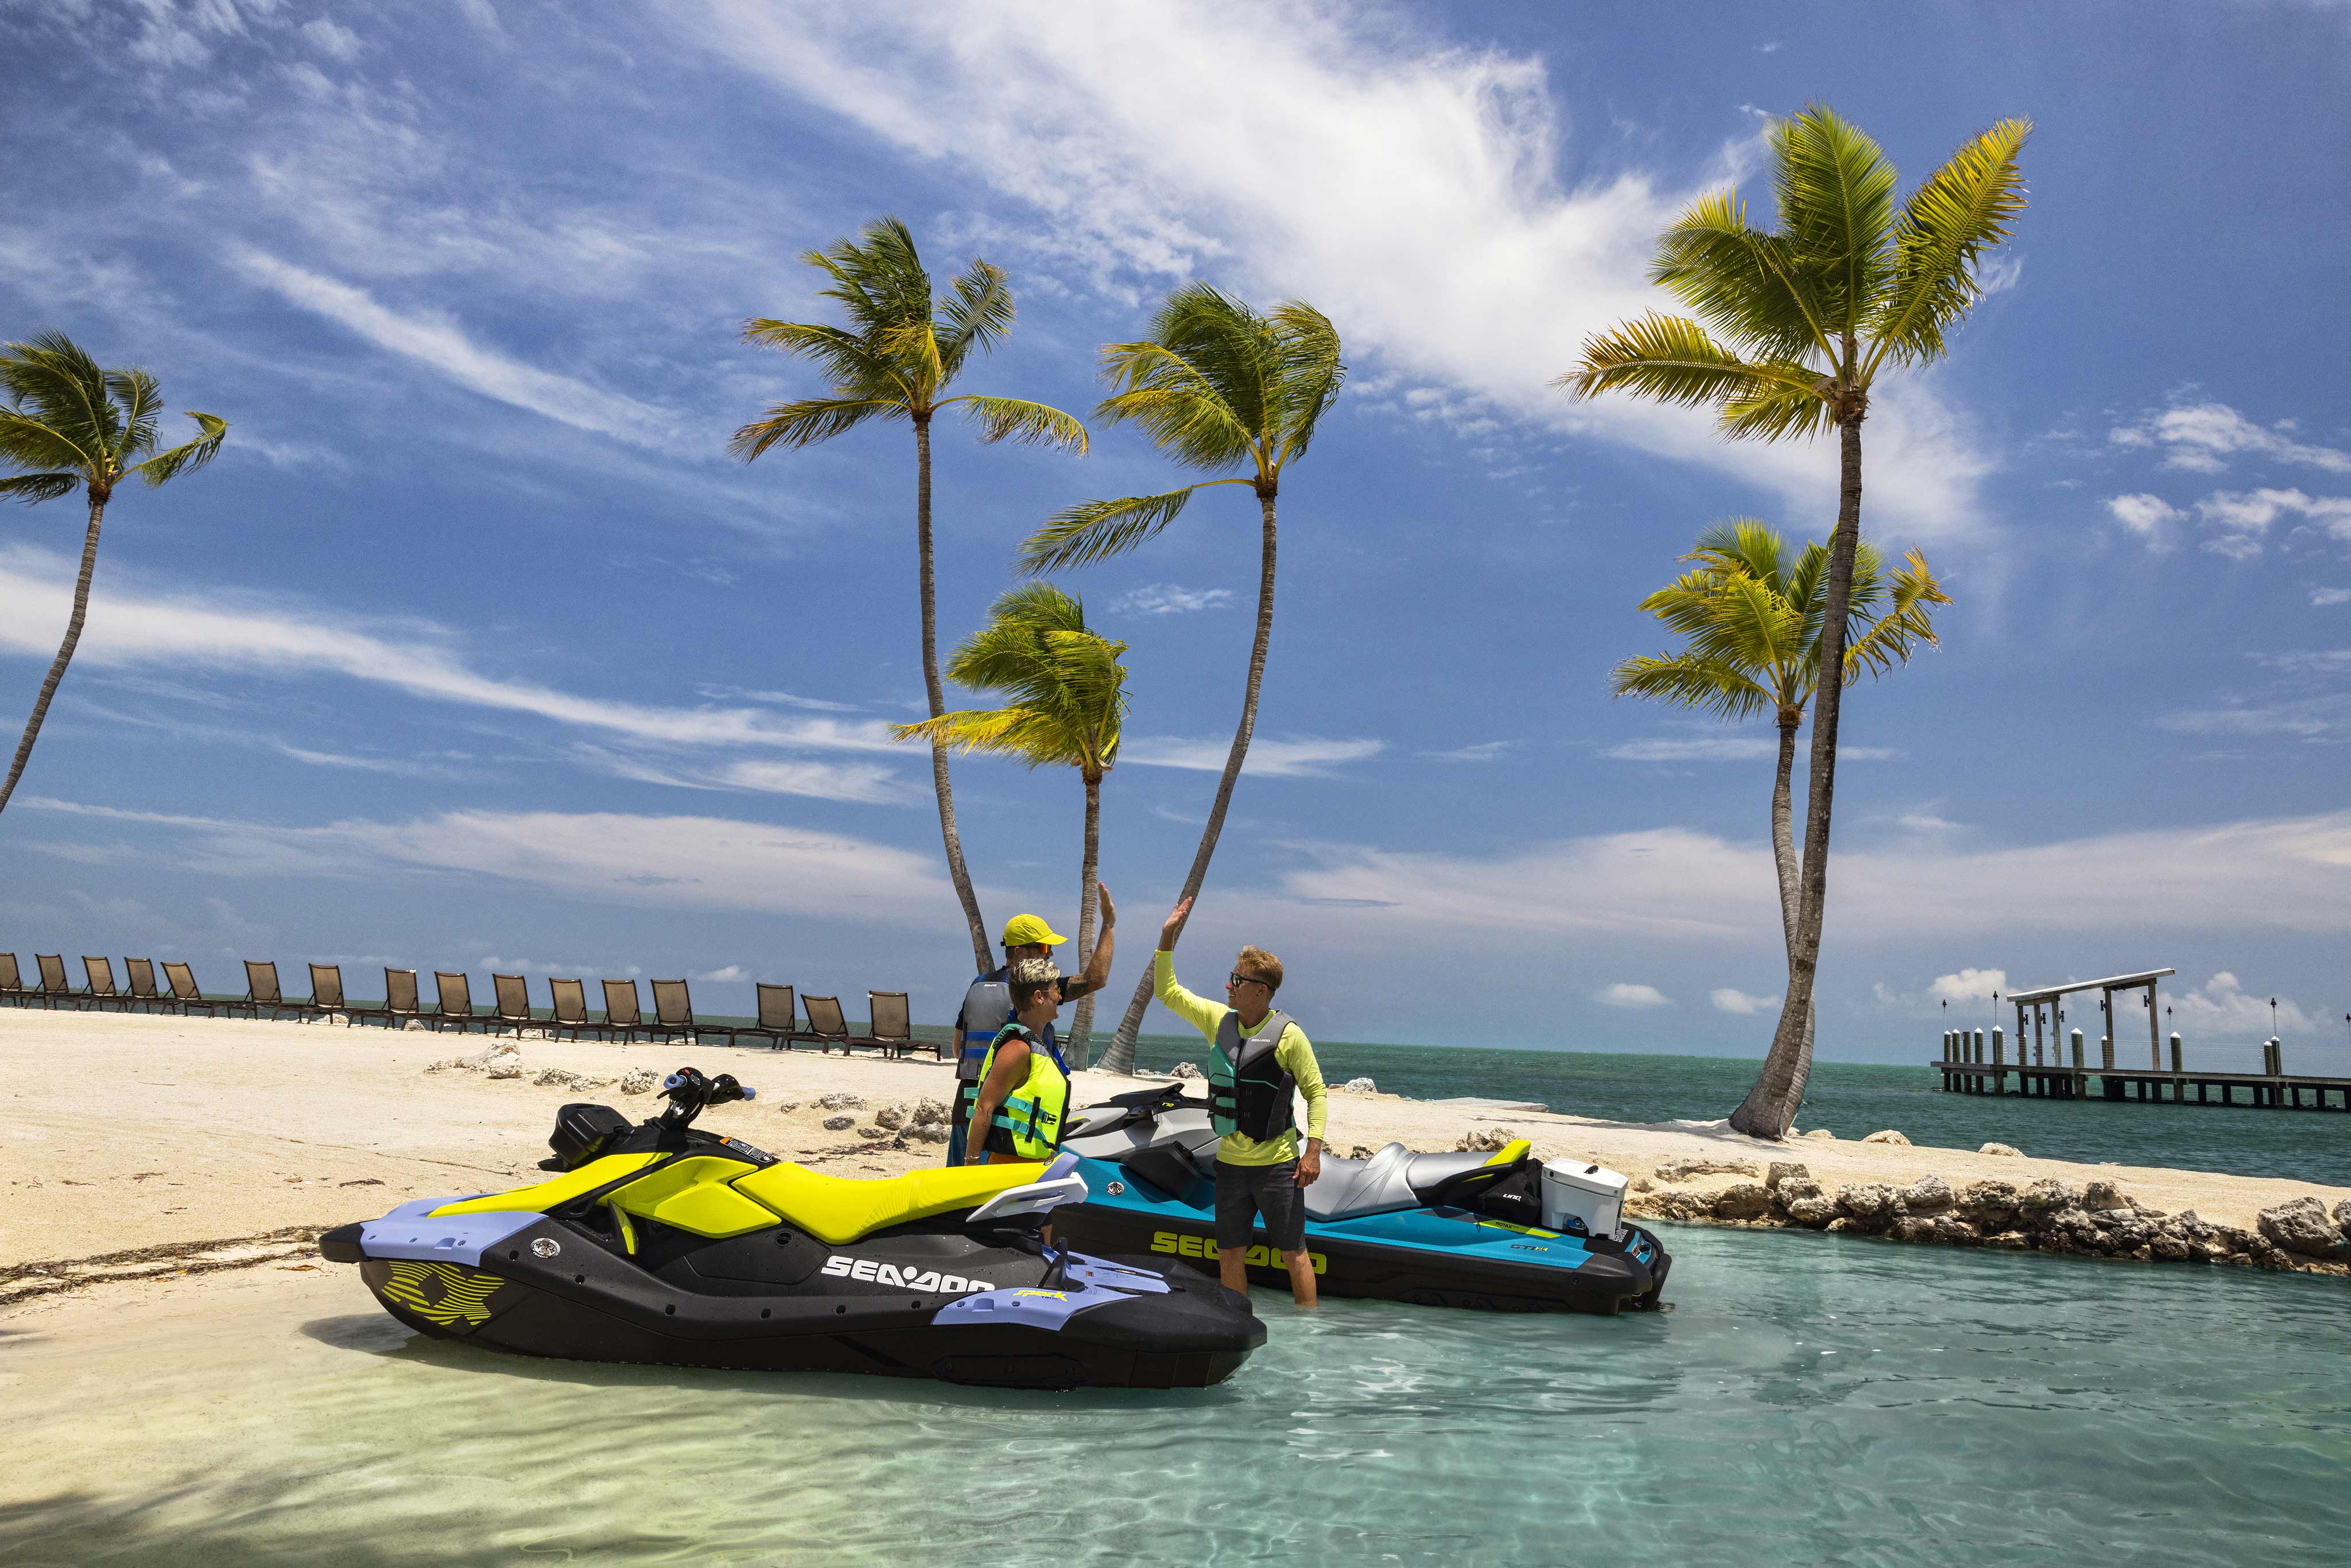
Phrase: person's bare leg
[1232,1268]
[1301,1276]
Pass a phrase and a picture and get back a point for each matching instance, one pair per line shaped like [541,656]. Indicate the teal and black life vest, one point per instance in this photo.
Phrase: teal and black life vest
[1249,1091]
[1028,1125]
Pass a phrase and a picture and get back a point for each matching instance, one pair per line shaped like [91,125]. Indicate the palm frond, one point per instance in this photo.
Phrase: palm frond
[1750,286]
[808,422]
[1745,544]
[134,392]
[1671,359]
[1227,345]
[1312,368]
[1024,422]
[1094,531]
[189,456]
[1835,194]
[1961,211]
[33,488]
[1180,411]
[913,346]
[54,382]
[1705,684]
[878,278]
[1897,635]
[1777,401]
[29,443]
[846,359]
[978,313]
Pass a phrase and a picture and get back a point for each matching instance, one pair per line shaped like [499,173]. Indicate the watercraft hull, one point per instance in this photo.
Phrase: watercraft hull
[1439,1257]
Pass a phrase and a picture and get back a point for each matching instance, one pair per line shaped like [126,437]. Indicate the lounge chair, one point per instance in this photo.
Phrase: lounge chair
[777,1020]
[55,987]
[184,993]
[400,1003]
[327,993]
[570,1010]
[894,1028]
[513,994]
[621,1013]
[673,1013]
[12,981]
[826,1026]
[262,990]
[456,995]
[101,992]
[140,973]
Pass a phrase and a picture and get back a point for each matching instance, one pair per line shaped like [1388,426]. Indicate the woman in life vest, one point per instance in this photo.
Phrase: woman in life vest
[1024,1083]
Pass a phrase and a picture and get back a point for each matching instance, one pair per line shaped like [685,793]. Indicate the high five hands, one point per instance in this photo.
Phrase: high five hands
[1174,927]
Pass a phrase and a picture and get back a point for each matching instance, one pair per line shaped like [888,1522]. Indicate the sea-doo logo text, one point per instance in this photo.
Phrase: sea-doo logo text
[930,1281]
[1205,1247]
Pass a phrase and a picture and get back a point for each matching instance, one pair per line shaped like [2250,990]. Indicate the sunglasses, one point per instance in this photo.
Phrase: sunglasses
[1237,979]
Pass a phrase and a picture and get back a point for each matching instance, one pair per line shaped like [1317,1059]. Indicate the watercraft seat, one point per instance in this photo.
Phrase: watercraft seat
[1397,1178]
[841,1209]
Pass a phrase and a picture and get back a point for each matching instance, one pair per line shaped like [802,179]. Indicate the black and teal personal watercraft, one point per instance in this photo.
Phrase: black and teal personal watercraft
[1501,1232]
[665,1243]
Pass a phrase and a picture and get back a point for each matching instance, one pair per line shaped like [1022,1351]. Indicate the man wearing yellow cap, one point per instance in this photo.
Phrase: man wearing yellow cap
[987,1005]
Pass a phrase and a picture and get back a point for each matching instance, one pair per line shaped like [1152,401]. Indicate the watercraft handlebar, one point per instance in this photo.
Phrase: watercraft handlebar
[690,1094]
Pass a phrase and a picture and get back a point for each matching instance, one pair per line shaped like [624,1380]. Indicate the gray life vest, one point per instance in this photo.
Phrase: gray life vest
[1249,1091]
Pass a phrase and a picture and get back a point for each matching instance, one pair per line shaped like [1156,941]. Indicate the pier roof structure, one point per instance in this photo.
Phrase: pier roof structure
[2111,983]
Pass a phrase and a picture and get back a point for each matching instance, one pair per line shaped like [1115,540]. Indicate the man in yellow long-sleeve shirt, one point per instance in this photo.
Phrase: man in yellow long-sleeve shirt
[1260,1055]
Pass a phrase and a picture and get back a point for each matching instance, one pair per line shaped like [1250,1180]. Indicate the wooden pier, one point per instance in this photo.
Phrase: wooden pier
[2277,1092]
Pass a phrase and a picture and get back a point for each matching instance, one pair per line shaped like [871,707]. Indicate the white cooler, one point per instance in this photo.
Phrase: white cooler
[1592,1195]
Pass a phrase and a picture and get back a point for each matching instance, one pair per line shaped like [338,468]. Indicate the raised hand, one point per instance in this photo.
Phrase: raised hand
[1174,927]
[1108,910]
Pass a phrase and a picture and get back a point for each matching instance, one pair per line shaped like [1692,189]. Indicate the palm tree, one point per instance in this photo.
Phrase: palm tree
[1066,704]
[1751,620]
[1793,326]
[903,349]
[69,423]
[1217,386]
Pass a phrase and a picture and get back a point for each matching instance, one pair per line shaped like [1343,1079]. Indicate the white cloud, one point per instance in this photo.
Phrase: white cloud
[732,974]
[1168,599]
[2244,516]
[1732,749]
[2320,598]
[1290,757]
[222,630]
[672,863]
[2201,437]
[440,345]
[2145,516]
[1425,195]
[783,699]
[1630,996]
[1678,885]
[1744,1004]
[1999,272]
[2222,1006]
[1483,751]
[329,39]
[1969,986]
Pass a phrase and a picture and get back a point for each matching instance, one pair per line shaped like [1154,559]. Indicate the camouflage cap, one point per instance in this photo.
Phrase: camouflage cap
[1034,972]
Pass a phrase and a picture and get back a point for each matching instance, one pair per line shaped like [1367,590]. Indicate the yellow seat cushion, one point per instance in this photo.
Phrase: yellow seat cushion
[548,1194]
[1511,1153]
[839,1209]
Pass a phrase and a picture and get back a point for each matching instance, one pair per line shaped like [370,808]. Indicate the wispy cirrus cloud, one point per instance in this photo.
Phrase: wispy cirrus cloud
[1729,748]
[1638,997]
[2202,437]
[1272,757]
[1170,599]
[1425,194]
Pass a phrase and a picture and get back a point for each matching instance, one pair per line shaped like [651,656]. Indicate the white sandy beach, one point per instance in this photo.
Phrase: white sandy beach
[134,1133]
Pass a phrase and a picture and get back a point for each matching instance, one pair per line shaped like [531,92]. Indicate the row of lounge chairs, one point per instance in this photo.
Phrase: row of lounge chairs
[781,1019]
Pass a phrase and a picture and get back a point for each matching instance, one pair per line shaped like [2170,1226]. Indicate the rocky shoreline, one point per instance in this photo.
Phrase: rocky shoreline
[2095,1220]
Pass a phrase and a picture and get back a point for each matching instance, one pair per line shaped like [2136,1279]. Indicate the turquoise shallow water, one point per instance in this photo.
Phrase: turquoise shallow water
[1849,1099]
[1811,1399]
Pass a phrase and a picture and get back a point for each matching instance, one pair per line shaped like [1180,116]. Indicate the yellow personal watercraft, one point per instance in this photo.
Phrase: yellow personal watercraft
[667,1244]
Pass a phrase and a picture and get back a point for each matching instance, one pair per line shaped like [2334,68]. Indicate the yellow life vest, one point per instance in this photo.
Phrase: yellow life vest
[1028,1125]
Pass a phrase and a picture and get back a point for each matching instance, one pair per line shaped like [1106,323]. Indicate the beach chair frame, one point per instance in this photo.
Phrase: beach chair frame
[622,1013]
[893,1022]
[826,1024]
[327,1000]
[12,981]
[101,992]
[55,987]
[138,985]
[778,1017]
[402,1000]
[262,989]
[510,1004]
[187,997]
[568,1009]
[673,1013]
[457,1008]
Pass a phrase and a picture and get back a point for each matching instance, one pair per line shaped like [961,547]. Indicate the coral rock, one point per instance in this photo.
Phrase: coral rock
[1953,1231]
[1814,1213]
[2104,1195]
[1486,1141]
[1359,1086]
[2046,1196]
[1783,1170]
[1911,1228]
[890,1116]
[930,1113]
[925,1133]
[639,1080]
[1682,1170]
[1745,1201]
[2303,1226]
[1871,1206]
[841,1102]
[1928,1195]
[1186,1070]
[2009,1241]
[1887,1136]
[839,1124]
[1823,1134]
[2008,1150]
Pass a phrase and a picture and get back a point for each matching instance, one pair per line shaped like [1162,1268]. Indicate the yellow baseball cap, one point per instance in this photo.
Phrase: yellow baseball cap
[1023,929]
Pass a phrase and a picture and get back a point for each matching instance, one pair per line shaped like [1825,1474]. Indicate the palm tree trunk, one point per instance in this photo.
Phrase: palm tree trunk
[1770,1108]
[1120,1055]
[65,651]
[1081,1024]
[939,784]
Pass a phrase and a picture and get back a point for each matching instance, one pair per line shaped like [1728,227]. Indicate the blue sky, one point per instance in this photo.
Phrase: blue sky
[475,649]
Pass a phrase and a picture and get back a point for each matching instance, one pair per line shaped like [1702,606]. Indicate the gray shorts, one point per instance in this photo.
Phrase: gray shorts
[1245,1192]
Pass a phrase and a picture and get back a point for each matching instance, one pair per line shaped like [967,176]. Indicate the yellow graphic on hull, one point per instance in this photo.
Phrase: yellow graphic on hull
[1184,1246]
[442,1292]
